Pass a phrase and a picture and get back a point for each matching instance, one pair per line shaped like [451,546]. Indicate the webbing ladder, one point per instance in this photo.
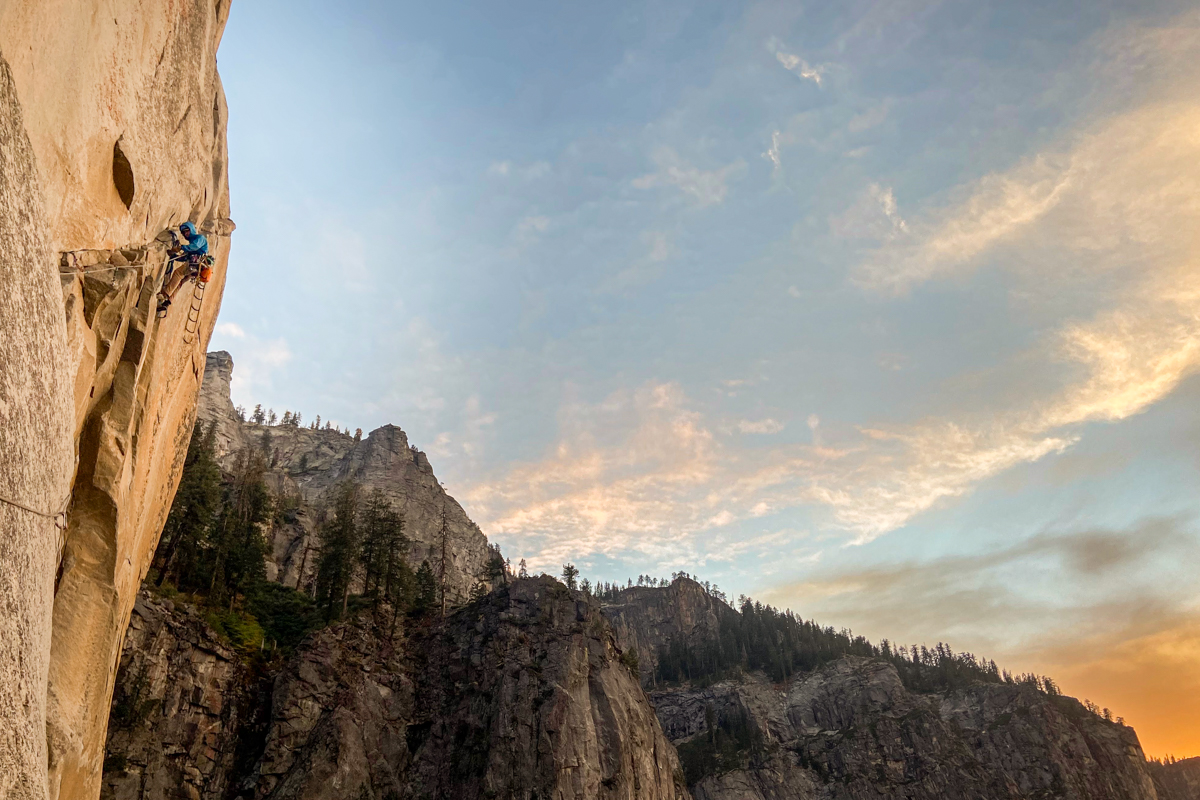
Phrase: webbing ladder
[193,317]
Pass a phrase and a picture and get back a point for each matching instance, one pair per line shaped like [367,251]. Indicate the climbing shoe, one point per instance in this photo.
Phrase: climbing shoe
[162,308]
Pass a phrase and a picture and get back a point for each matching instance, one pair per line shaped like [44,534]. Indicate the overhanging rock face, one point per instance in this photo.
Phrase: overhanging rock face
[112,130]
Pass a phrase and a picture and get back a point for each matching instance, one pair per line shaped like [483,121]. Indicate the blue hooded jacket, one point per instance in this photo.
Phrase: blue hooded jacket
[196,244]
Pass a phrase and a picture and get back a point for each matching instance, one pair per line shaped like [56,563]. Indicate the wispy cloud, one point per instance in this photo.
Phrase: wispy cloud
[772,153]
[705,187]
[257,360]
[586,496]
[1116,197]
[794,63]
[875,215]
[760,426]
[231,329]
[1127,197]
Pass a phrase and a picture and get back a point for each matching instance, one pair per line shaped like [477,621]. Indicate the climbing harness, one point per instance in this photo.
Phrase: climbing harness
[59,519]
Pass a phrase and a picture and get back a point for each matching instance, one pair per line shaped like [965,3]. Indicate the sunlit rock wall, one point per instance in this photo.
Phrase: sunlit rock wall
[112,130]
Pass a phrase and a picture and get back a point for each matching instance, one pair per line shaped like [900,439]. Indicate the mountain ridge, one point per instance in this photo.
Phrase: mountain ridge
[851,728]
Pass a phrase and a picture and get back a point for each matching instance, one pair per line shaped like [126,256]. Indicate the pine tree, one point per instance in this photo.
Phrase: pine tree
[193,509]
[271,416]
[570,573]
[522,570]
[236,547]
[384,545]
[426,589]
[340,543]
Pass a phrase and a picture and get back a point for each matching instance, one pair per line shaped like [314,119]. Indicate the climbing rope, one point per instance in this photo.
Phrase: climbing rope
[86,271]
[59,519]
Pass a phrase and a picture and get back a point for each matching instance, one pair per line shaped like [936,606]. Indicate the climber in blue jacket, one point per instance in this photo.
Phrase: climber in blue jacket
[188,252]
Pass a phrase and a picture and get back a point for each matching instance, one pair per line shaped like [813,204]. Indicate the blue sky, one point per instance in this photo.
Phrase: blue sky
[885,312]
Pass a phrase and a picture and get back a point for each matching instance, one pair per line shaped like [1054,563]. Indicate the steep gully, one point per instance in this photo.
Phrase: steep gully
[531,691]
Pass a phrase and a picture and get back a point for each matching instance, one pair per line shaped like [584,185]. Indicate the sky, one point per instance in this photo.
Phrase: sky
[884,312]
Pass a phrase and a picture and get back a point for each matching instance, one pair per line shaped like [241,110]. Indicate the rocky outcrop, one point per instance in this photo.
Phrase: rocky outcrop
[182,702]
[526,695]
[852,730]
[646,619]
[1179,780]
[308,463]
[522,694]
[112,130]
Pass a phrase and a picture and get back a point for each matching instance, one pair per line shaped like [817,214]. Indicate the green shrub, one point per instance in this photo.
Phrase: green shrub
[286,615]
[239,628]
[630,659]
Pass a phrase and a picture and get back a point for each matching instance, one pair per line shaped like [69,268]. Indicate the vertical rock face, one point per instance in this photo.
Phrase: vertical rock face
[1178,781]
[36,452]
[182,700]
[852,730]
[522,695]
[308,463]
[645,619]
[113,129]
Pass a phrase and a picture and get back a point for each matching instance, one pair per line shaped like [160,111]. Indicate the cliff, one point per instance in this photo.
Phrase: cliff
[112,130]
[1179,780]
[646,619]
[183,700]
[307,464]
[522,694]
[850,728]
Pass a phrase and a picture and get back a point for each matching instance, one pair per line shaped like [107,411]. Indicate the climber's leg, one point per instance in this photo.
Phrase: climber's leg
[167,293]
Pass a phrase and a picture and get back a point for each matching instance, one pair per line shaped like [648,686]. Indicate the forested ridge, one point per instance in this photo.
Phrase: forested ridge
[757,637]
[214,549]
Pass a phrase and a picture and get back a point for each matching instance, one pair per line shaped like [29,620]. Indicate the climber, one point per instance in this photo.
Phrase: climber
[188,255]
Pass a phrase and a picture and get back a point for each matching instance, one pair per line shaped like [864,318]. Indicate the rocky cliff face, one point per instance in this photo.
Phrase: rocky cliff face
[308,463]
[182,702]
[646,619]
[852,730]
[522,694]
[1178,781]
[112,130]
